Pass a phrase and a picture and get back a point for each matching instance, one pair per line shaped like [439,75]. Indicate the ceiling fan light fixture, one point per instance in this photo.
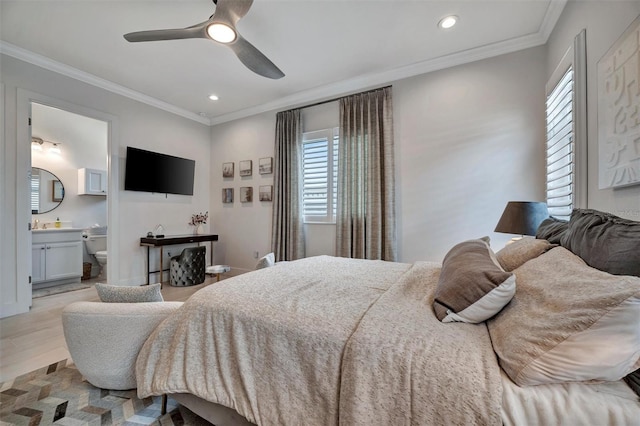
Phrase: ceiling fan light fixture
[222,33]
[448,22]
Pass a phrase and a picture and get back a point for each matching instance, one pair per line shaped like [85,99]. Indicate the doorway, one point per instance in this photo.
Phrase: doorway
[23,244]
[64,146]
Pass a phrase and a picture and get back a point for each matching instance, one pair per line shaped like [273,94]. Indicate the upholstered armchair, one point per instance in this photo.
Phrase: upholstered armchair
[104,338]
[188,268]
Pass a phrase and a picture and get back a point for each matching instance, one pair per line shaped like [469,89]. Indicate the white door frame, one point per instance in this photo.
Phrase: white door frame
[23,243]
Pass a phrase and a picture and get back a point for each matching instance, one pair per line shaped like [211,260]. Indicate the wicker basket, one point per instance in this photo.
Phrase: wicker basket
[86,271]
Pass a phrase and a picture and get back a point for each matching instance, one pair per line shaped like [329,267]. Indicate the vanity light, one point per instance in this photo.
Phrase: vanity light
[36,144]
[221,33]
[55,149]
[213,97]
[448,22]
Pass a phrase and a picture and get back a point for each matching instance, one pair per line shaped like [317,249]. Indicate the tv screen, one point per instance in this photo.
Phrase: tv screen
[154,172]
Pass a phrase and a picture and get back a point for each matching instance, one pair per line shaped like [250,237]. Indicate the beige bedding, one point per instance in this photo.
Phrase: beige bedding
[326,341]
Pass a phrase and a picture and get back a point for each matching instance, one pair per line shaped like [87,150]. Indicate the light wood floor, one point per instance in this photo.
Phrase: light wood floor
[35,339]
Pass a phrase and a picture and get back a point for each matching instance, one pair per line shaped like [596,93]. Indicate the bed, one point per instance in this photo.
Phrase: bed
[326,340]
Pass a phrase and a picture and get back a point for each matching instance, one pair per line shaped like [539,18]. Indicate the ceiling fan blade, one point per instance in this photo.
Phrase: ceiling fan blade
[253,59]
[231,11]
[195,31]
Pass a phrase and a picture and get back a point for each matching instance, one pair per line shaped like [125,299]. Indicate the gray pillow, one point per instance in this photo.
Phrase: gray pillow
[552,230]
[606,242]
[127,294]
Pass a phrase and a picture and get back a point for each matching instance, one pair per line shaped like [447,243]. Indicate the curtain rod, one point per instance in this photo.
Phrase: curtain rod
[338,98]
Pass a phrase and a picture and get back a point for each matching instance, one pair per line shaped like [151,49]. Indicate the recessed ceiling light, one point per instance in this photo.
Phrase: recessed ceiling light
[221,33]
[448,21]
[213,97]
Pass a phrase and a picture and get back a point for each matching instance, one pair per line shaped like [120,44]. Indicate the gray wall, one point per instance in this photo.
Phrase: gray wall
[468,139]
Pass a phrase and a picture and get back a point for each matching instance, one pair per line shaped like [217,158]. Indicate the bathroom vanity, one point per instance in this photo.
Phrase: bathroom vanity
[56,256]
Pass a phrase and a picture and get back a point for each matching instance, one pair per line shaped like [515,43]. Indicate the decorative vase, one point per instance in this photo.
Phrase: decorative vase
[198,229]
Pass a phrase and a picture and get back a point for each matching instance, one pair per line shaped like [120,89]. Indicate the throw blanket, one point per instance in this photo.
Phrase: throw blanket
[326,341]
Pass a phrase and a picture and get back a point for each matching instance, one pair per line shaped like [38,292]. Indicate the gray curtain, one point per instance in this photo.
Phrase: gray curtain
[287,231]
[365,223]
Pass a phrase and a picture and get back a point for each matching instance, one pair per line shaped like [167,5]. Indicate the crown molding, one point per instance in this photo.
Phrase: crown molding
[363,82]
[68,71]
[367,81]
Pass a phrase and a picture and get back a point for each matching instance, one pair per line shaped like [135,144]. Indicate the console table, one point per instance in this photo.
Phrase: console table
[169,241]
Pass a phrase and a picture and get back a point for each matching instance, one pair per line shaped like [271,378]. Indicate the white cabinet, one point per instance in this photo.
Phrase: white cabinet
[92,182]
[56,257]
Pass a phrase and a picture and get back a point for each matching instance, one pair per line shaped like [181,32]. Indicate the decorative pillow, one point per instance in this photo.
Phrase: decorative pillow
[472,286]
[552,230]
[266,261]
[126,294]
[604,241]
[568,322]
[513,255]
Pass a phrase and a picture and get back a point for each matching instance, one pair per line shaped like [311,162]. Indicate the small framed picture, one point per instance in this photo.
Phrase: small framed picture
[227,170]
[265,165]
[265,192]
[227,195]
[246,168]
[246,194]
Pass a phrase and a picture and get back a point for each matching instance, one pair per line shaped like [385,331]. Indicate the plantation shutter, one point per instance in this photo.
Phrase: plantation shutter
[315,157]
[561,148]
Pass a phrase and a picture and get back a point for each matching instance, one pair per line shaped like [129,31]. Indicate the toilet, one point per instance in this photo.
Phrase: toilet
[95,241]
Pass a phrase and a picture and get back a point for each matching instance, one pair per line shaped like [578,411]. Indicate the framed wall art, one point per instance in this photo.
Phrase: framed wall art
[246,168]
[227,170]
[265,193]
[246,194]
[618,105]
[227,195]
[265,165]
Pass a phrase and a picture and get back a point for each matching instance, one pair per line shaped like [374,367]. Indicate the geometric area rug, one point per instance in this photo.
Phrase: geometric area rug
[58,394]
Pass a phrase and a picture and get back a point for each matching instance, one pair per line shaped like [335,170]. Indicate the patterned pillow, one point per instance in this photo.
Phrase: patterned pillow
[127,294]
[472,286]
[568,322]
[515,254]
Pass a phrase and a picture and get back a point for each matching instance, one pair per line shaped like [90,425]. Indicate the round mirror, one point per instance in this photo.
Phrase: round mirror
[47,191]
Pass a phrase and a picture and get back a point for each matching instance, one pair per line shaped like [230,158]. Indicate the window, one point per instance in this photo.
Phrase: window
[320,175]
[566,133]
[560,148]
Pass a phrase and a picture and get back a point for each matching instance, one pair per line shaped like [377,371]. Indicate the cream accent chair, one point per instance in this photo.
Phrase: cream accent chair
[104,338]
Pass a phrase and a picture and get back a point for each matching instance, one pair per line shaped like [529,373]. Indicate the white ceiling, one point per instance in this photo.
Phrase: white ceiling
[325,47]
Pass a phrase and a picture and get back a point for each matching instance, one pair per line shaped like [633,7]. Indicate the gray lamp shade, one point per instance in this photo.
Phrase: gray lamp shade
[522,217]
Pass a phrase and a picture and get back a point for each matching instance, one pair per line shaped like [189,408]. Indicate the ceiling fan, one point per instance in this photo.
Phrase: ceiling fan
[220,27]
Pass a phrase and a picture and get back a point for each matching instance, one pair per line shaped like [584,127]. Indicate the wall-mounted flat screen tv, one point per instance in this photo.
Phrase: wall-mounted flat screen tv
[155,172]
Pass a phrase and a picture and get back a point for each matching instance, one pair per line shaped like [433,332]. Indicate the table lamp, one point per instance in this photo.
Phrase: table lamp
[522,217]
